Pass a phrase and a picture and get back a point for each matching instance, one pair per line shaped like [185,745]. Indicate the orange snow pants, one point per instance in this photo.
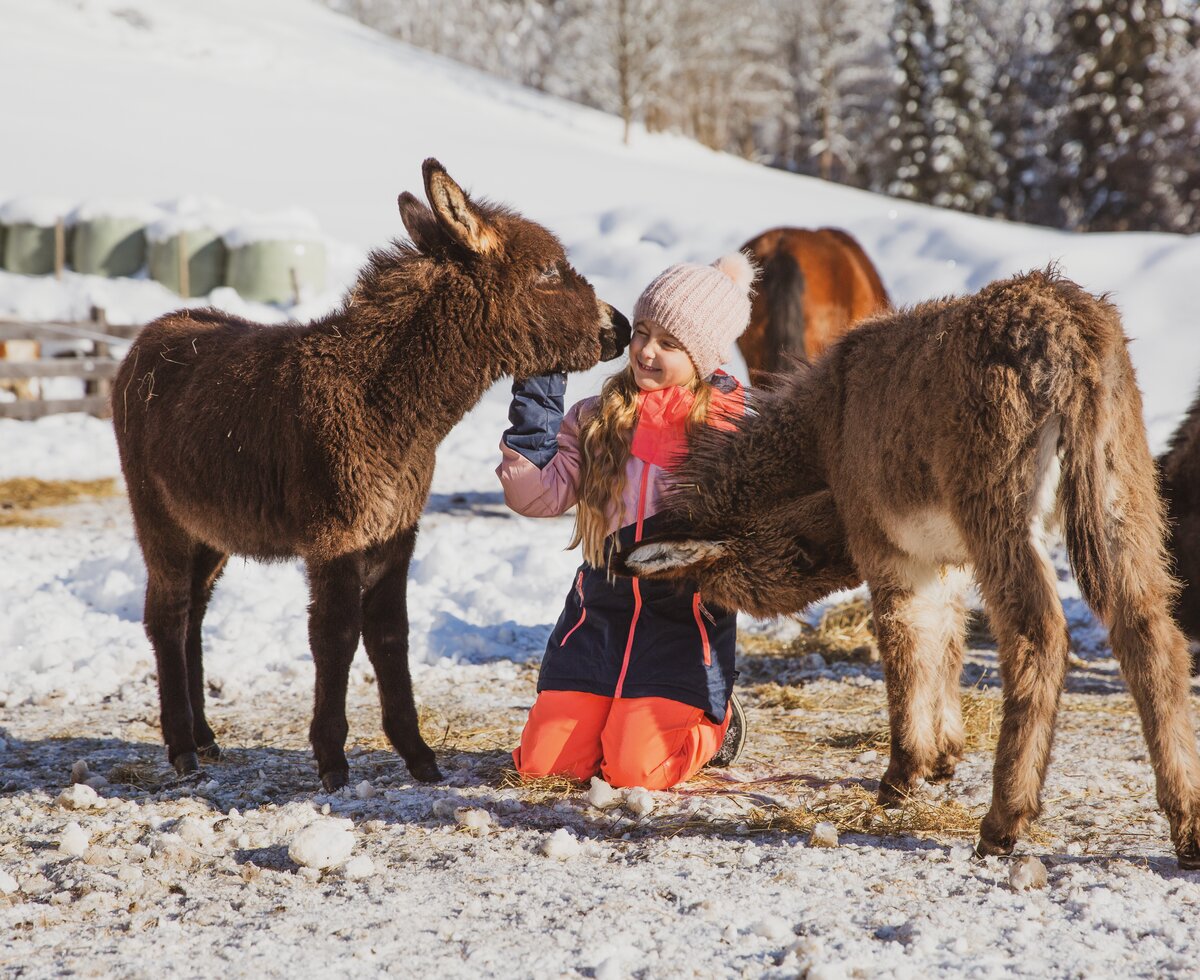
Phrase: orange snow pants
[650,742]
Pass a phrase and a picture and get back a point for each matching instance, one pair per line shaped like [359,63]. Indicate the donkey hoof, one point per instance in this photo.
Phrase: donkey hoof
[1189,856]
[994,848]
[210,752]
[426,772]
[187,763]
[890,797]
[335,780]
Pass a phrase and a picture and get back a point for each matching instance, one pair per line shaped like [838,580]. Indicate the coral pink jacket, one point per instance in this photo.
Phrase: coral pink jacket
[659,440]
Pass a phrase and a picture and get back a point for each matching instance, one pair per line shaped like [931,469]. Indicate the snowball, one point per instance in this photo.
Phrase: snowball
[1027,873]
[74,841]
[80,797]
[1074,848]
[639,802]
[323,844]
[869,756]
[359,867]
[601,795]
[749,859]
[193,829]
[561,844]
[610,969]
[446,806]
[772,927]
[961,853]
[8,884]
[96,781]
[364,790]
[824,835]
[79,772]
[474,819]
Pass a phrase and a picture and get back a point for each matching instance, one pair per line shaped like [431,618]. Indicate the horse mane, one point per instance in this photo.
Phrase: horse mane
[784,293]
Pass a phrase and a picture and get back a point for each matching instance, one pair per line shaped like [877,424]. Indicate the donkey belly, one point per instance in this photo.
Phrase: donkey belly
[929,535]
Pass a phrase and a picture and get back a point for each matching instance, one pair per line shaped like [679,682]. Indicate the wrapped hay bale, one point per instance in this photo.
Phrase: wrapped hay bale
[187,253]
[277,260]
[110,237]
[34,235]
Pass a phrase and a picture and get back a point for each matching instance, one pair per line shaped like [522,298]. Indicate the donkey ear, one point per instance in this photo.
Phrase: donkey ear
[666,557]
[455,212]
[419,222]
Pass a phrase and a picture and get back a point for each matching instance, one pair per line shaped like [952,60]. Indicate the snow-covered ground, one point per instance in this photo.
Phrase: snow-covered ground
[280,104]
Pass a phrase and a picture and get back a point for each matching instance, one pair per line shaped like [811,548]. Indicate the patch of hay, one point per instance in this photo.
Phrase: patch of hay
[541,790]
[853,810]
[142,775]
[20,496]
[844,632]
[981,720]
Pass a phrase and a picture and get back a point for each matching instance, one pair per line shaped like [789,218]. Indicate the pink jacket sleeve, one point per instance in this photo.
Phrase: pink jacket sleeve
[551,490]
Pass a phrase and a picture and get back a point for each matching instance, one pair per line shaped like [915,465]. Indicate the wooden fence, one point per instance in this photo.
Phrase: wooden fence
[96,368]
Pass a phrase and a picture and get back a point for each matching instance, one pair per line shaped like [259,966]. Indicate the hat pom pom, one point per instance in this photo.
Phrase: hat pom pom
[738,267]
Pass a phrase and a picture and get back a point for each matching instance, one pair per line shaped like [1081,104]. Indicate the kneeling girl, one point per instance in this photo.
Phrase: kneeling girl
[636,684]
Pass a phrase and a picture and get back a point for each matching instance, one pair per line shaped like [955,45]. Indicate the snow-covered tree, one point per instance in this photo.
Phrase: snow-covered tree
[1122,112]
[911,124]
[963,156]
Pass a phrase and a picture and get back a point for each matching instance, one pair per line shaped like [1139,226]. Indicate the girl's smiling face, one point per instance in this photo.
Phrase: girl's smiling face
[658,359]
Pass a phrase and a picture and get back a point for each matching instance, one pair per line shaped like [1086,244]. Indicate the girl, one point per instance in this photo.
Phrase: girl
[637,679]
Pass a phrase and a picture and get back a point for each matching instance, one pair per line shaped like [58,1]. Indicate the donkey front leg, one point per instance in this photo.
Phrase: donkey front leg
[207,565]
[385,635]
[166,622]
[334,628]
[913,649]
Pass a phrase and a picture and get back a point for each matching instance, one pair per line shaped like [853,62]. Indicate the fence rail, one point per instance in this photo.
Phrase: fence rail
[96,368]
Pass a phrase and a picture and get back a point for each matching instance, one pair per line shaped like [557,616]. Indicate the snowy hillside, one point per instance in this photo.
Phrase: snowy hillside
[280,104]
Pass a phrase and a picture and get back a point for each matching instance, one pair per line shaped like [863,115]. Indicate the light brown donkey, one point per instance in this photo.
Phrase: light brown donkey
[952,436]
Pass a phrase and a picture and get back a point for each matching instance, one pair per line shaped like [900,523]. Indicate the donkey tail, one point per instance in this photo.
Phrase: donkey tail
[1083,504]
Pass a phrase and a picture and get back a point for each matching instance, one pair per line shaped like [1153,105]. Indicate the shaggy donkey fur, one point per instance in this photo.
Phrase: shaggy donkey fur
[951,435]
[1179,468]
[318,441]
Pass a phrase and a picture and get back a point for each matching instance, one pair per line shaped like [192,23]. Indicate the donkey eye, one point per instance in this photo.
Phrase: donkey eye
[550,274]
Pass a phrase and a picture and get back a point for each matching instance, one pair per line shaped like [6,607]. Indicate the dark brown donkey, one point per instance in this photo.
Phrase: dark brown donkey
[317,440]
[1179,468]
[951,437]
[815,285]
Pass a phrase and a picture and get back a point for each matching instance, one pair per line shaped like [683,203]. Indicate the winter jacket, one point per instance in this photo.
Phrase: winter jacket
[630,637]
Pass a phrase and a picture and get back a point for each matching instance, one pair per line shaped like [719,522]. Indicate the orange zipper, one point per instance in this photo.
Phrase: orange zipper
[637,591]
[583,611]
[697,610]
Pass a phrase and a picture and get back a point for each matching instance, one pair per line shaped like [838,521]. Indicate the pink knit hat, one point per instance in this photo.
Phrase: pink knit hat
[705,307]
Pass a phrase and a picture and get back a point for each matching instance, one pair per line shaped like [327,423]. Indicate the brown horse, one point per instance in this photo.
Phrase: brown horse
[815,286]
[317,440]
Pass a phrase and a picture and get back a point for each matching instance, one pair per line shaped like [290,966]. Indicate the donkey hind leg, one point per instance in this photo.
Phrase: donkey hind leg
[385,635]
[951,738]
[334,628]
[913,622]
[1018,584]
[1153,655]
[168,595]
[207,565]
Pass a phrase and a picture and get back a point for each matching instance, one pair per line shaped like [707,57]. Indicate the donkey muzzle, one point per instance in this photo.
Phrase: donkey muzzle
[615,334]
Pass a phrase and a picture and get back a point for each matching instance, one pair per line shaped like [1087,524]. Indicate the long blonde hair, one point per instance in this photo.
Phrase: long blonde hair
[605,440]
